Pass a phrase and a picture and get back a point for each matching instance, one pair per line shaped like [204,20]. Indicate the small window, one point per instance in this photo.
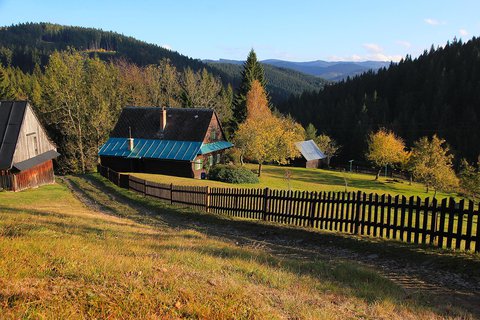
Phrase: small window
[213,134]
[35,145]
[210,160]
[218,158]
[198,164]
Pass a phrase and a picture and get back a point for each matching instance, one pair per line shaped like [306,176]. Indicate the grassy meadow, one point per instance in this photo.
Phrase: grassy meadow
[60,259]
[310,180]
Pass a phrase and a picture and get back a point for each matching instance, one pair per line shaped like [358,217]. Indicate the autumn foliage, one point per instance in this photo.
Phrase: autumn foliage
[264,137]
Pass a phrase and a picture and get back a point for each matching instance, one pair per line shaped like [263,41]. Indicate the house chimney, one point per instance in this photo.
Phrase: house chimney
[163,119]
[130,140]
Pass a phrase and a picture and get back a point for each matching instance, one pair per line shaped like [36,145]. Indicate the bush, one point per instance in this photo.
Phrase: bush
[232,174]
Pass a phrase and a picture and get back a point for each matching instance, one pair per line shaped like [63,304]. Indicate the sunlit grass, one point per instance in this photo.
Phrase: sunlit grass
[310,180]
[62,260]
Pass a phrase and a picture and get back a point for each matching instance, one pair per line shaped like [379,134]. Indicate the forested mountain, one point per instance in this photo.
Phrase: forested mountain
[439,92]
[281,82]
[329,70]
[26,45]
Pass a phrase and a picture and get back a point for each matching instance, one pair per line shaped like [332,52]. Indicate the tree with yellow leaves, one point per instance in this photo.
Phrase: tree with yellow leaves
[432,163]
[384,149]
[264,137]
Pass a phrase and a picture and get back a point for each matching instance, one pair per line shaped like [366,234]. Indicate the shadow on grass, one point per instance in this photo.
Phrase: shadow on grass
[285,241]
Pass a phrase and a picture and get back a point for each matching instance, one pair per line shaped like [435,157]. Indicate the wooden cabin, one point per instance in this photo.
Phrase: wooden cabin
[310,155]
[26,152]
[171,141]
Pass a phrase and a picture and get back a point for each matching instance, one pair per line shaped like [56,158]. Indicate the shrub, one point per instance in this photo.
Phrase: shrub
[232,174]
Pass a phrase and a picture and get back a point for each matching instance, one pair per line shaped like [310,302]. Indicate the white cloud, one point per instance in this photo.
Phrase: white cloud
[373,47]
[463,32]
[432,22]
[166,46]
[374,52]
[404,44]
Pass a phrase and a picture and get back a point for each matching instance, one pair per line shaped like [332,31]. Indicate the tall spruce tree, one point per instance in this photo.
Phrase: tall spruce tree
[252,70]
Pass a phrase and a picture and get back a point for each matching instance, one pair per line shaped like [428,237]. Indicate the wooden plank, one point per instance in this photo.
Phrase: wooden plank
[395,216]
[358,204]
[369,214]
[451,220]
[425,220]
[477,240]
[382,215]
[458,239]
[402,224]
[417,220]
[375,215]
[411,201]
[441,225]
[469,234]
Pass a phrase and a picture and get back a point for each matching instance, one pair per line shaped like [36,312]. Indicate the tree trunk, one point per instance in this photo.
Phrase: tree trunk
[378,173]
[259,169]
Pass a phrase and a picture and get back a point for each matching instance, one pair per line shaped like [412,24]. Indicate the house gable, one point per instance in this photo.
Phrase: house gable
[32,139]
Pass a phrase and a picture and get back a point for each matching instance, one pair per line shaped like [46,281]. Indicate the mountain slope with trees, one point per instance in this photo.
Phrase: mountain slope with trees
[281,82]
[437,93]
[29,44]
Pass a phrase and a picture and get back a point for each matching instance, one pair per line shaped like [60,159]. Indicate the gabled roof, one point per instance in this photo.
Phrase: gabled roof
[11,118]
[183,124]
[310,150]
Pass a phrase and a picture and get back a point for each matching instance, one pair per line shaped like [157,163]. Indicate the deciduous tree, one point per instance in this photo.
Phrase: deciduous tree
[328,146]
[264,137]
[385,148]
[431,163]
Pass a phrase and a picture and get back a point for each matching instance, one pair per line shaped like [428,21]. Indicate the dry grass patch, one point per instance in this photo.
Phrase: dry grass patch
[62,260]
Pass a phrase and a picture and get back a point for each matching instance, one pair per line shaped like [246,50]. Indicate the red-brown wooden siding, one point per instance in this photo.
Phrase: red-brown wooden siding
[33,177]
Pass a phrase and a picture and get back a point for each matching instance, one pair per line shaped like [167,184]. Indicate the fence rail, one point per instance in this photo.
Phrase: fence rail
[445,224]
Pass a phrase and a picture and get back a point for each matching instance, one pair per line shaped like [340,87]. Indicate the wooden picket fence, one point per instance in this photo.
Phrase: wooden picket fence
[446,223]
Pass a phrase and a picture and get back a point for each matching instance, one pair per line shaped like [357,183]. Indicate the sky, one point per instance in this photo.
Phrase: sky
[307,30]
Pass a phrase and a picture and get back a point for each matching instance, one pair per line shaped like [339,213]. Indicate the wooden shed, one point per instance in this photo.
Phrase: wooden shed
[171,141]
[26,152]
[311,155]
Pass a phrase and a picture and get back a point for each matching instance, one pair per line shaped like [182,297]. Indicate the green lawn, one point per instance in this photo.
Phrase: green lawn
[60,259]
[310,180]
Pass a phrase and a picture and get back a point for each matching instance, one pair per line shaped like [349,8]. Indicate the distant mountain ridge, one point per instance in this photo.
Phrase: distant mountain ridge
[329,70]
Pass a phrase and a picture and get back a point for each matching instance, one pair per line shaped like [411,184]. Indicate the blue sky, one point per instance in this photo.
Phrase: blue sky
[290,30]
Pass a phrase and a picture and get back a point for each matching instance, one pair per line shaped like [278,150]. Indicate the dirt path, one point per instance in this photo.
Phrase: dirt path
[441,279]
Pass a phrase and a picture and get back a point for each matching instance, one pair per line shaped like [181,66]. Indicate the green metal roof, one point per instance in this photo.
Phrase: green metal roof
[160,149]
[214,146]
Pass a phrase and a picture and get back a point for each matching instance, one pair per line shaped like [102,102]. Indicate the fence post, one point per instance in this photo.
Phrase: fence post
[265,203]
[313,205]
[207,199]
[358,205]
[171,193]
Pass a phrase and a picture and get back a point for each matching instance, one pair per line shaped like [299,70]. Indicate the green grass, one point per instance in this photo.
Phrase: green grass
[60,259]
[310,180]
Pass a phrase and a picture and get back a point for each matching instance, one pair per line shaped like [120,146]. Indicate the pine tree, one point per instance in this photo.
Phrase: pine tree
[252,70]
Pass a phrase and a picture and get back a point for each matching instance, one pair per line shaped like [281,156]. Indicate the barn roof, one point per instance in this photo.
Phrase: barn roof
[183,124]
[310,150]
[11,118]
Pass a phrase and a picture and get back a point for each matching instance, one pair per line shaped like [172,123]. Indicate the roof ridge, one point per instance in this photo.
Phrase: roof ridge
[170,108]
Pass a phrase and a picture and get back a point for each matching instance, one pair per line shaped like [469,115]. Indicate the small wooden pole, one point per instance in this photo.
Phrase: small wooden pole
[265,203]
[207,199]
